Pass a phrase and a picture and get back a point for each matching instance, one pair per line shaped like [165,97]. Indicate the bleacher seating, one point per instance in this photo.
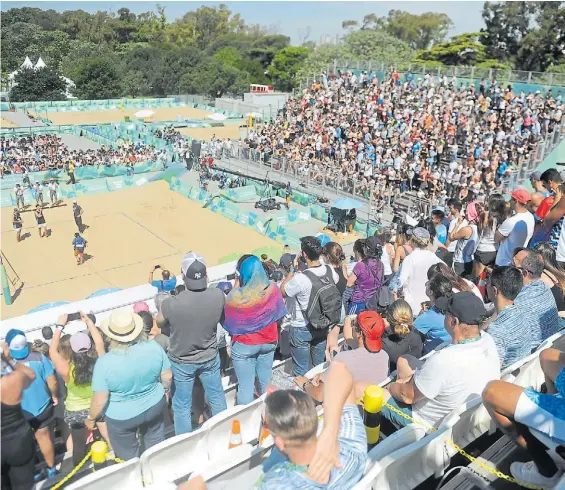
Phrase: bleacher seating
[117,477]
[205,451]
[175,458]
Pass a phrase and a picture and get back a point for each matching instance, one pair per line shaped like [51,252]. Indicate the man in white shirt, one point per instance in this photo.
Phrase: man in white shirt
[517,230]
[38,188]
[455,208]
[414,271]
[306,342]
[453,375]
[53,186]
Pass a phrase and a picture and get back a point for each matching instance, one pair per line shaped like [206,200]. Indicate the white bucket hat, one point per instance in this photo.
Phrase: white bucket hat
[122,325]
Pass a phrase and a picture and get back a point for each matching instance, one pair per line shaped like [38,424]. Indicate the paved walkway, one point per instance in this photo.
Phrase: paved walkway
[21,119]
[75,142]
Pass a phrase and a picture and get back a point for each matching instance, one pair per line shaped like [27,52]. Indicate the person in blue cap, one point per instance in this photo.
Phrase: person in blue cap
[40,398]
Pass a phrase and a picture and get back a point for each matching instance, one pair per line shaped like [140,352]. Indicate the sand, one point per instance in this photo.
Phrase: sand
[129,231]
[115,115]
[6,123]
[231,131]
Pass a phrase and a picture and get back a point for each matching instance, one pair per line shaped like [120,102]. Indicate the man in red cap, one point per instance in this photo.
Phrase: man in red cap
[517,230]
[365,358]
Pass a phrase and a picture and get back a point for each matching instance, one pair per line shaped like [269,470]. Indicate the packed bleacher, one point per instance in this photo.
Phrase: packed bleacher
[48,152]
[410,132]
[269,377]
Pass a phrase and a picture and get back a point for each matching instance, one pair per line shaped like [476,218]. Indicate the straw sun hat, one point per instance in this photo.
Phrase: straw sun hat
[122,325]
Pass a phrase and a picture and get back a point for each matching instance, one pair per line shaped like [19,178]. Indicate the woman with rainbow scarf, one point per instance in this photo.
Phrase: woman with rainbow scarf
[252,311]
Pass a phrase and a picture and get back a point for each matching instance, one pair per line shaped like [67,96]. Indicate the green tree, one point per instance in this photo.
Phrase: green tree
[378,46]
[34,85]
[507,24]
[419,31]
[229,56]
[214,79]
[286,64]
[463,49]
[78,53]
[97,78]
[56,45]
[135,84]
[349,24]
[18,41]
[544,45]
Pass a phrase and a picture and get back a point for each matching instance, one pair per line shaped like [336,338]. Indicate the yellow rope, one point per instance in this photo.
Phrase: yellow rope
[73,472]
[79,466]
[461,451]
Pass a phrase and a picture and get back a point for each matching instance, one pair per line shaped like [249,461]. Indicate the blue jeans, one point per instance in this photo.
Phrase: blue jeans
[397,420]
[183,377]
[307,344]
[250,361]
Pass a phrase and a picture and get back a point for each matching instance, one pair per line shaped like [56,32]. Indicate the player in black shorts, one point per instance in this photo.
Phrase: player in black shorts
[18,224]
[41,225]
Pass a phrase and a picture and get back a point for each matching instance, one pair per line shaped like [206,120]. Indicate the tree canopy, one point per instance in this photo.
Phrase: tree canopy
[33,86]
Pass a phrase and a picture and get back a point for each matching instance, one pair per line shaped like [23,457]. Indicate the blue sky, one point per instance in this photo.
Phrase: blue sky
[292,18]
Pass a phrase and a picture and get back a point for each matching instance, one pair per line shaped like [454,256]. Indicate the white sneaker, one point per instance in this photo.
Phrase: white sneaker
[528,473]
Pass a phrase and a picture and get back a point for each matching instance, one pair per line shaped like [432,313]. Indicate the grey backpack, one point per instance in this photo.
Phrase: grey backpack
[324,304]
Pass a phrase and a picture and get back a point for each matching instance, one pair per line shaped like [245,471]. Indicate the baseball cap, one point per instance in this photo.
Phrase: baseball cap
[372,243]
[287,260]
[80,342]
[140,306]
[17,342]
[535,175]
[194,271]
[421,235]
[465,306]
[521,195]
[225,286]
[373,326]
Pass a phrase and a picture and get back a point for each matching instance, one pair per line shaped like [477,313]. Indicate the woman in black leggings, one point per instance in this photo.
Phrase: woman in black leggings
[18,446]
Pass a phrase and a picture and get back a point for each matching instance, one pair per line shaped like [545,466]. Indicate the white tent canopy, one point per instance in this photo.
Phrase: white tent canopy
[27,63]
[40,64]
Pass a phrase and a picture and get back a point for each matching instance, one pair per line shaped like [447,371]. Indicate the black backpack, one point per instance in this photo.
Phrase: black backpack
[382,298]
[324,304]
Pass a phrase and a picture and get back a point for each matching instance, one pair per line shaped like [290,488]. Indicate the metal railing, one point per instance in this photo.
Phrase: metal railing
[471,73]
[536,157]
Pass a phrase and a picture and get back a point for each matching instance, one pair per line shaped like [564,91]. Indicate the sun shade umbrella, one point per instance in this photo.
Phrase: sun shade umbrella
[347,203]
[144,113]
[217,117]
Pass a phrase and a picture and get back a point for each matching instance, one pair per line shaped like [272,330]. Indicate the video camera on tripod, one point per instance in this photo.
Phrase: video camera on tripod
[266,202]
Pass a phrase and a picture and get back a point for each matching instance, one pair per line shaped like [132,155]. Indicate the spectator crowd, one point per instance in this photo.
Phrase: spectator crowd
[479,283]
[438,136]
[32,153]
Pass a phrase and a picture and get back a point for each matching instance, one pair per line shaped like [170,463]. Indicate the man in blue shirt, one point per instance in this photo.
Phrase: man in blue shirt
[512,335]
[293,422]
[40,397]
[441,231]
[167,284]
[79,244]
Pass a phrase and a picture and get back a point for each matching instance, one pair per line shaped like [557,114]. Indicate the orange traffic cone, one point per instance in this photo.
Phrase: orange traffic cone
[235,436]
[265,438]
[482,286]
